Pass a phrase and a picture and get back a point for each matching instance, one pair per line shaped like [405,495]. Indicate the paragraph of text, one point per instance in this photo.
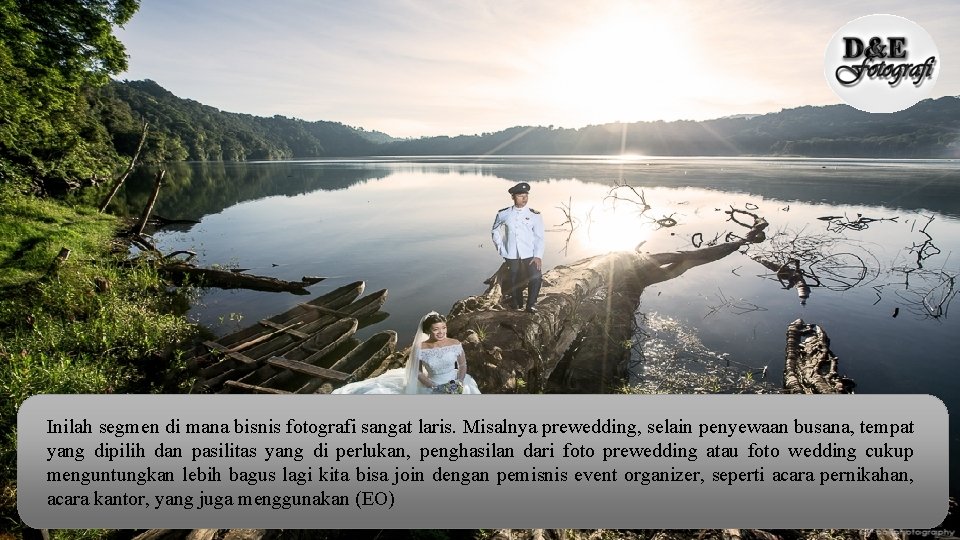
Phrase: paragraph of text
[557,461]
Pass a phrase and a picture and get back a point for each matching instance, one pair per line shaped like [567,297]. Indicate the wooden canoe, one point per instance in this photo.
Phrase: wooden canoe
[361,309]
[365,357]
[360,361]
[300,313]
[310,352]
[246,345]
[308,378]
[323,312]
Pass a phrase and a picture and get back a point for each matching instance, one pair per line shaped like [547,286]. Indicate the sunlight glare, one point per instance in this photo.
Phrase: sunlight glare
[623,68]
[609,229]
[627,158]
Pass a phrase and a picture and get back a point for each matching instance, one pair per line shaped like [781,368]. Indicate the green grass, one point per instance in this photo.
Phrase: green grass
[32,231]
[92,324]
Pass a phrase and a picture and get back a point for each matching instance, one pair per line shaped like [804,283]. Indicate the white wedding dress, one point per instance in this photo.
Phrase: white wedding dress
[439,362]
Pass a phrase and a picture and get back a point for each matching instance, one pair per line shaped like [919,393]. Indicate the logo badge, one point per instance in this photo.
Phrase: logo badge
[881,63]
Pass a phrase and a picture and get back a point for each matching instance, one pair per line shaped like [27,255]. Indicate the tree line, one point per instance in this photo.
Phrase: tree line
[187,130]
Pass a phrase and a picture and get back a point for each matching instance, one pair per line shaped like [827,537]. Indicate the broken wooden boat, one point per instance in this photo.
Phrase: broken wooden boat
[362,360]
[265,331]
[298,377]
[313,351]
[233,356]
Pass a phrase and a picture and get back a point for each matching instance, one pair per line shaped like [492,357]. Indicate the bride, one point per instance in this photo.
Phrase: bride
[436,365]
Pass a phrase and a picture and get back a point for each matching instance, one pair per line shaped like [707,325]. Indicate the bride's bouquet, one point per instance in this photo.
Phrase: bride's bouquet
[452,387]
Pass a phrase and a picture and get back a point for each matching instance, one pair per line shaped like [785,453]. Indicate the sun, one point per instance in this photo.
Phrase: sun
[627,66]
[606,229]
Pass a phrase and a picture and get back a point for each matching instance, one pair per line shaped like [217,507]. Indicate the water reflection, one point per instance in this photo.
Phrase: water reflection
[932,290]
[288,216]
[193,190]
[909,184]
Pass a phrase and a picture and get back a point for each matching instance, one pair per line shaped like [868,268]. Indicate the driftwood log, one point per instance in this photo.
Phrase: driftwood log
[180,272]
[578,341]
[811,367]
[789,275]
[160,221]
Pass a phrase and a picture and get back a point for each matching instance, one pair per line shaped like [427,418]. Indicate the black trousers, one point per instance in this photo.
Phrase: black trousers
[523,276]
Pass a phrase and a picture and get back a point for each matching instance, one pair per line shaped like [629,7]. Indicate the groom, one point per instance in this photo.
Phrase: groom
[521,245]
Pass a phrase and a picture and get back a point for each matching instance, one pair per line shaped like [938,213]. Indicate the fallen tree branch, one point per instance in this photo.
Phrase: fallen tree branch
[158,182]
[160,221]
[585,317]
[180,273]
[122,179]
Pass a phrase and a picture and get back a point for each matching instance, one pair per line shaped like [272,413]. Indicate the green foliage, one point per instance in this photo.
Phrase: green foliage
[50,52]
[75,37]
[32,231]
[185,129]
[182,129]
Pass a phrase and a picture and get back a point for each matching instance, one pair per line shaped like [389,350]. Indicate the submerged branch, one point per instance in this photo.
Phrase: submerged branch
[181,273]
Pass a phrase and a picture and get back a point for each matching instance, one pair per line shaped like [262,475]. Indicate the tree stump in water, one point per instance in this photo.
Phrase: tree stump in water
[811,367]
[583,327]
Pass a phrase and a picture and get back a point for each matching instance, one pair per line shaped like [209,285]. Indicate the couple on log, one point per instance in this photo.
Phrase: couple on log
[437,363]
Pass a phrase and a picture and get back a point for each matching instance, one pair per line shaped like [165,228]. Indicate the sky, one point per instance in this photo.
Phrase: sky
[413,68]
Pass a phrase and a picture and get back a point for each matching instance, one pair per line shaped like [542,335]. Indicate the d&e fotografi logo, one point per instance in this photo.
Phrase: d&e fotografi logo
[881,63]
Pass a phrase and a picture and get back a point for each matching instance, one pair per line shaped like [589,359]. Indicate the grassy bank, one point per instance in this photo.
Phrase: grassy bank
[88,324]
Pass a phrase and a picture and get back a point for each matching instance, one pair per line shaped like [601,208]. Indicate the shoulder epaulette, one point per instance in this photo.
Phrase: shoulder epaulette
[534,211]
[502,209]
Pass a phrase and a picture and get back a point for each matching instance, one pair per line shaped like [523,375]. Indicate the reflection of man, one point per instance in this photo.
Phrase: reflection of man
[521,245]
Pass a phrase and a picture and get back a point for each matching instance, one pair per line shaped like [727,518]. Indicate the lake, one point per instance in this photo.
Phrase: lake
[880,237]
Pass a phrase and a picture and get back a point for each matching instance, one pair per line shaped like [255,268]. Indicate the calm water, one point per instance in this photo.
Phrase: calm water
[420,228]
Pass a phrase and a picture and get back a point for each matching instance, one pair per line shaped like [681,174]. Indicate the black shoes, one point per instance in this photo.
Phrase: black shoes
[531,309]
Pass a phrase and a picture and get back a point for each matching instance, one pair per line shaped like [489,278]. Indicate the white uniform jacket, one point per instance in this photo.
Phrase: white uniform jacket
[522,233]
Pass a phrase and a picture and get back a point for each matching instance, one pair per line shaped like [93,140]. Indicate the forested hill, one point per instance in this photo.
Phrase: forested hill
[929,129]
[182,129]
